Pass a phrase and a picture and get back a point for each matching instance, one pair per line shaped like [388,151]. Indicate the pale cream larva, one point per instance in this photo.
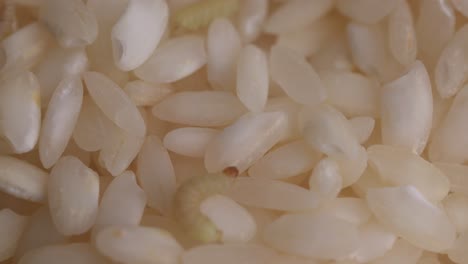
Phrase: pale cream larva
[138,31]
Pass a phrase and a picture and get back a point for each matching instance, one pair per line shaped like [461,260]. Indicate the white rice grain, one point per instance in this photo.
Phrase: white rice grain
[60,120]
[20,111]
[137,32]
[245,141]
[72,23]
[23,180]
[73,193]
[200,108]
[175,59]
[252,78]
[11,229]
[189,141]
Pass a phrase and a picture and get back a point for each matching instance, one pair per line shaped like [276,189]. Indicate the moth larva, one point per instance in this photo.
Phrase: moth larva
[200,14]
[8,18]
[187,202]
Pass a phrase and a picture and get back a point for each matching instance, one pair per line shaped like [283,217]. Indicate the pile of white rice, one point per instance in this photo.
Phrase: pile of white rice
[233,131]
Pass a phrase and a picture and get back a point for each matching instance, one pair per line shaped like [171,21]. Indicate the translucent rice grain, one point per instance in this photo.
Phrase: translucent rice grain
[252,78]
[369,51]
[72,23]
[451,71]
[22,180]
[200,108]
[245,141]
[60,120]
[223,47]
[252,15]
[326,179]
[296,14]
[156,174]
[24,48]
[406,109]
[430,258]
[138,31]
[11,229]
[20,111]
[73,150]
[352,210]
[228,254]
[39,232]
[369,179]
[374,242]
[398,166]
[263,193]
[405,211]
[456,206]
[352,93]
[74,253]
[308,40]
[232,220]
[434,16]
[456,173]
[138,245]
[401,252]
[122,203]
[119,150]
[100,52]
[366,11]
[461,6]
[175,59]
[73,193]
[146,94]
[296,76]
[286,161]
[115,104]
[363,127]
[449,140]
[189,141]
[92,127]
[402,35]
[286,105]
[58,64]
[314,236]
[352,167]
[328,131]
[458,253]
[334,56]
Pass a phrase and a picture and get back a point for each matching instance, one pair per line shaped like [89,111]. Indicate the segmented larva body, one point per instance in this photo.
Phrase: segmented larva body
[200,14]
[187,202]
[7,18]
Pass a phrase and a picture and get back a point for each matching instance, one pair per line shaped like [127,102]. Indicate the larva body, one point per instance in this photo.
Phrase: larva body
[7,19]
[200,14]
[187,202]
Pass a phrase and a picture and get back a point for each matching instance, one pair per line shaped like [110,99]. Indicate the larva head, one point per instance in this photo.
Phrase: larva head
[231,172]
[188,199]
[205,231]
